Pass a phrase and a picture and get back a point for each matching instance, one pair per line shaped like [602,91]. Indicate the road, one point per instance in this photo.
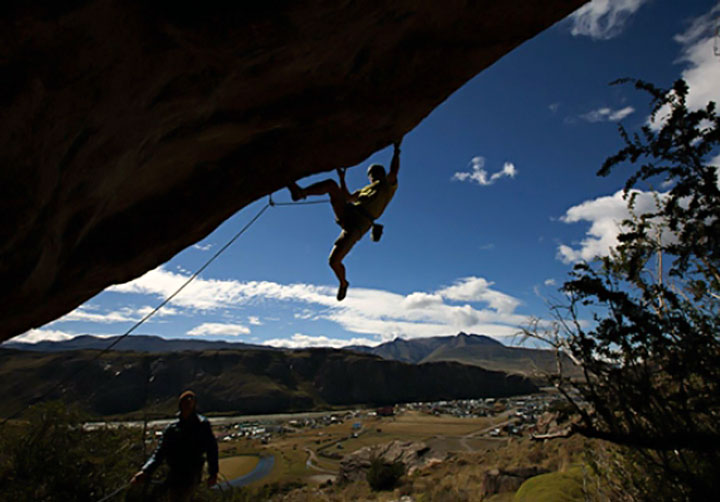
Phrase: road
[311,461]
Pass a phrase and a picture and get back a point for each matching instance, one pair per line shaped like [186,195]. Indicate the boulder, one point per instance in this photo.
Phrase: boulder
[413,455]
[130,130]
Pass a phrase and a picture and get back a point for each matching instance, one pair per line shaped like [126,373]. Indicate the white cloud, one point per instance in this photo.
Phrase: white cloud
[165,311]
[254,320]
[81,314]
[702,72]
[477,289]
[368,311]
[605,215]
[205,247]
[603,19]
[550,282]
[91,313]
[40,335]
[420,300]
[479,175]
[212,294]
[299,340]
[219,329]
[606,114]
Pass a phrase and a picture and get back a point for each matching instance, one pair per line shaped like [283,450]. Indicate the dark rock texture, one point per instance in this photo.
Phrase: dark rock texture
[131,129]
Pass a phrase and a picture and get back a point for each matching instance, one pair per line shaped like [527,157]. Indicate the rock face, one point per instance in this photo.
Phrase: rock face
[413,455]
[130,129]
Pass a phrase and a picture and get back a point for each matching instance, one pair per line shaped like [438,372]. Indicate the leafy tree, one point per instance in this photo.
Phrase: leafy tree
[651,353]
[52,458]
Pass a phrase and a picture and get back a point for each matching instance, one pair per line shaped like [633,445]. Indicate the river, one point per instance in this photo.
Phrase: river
[262,469]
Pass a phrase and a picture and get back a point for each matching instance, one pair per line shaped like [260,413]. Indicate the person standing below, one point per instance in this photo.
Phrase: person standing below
[355,212]
[185,445]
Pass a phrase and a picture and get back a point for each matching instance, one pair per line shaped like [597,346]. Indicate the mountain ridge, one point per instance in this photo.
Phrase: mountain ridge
[132,343]
[472,349]
[239,381]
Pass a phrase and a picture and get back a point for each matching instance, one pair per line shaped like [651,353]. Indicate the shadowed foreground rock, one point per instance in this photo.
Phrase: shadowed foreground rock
[130,130]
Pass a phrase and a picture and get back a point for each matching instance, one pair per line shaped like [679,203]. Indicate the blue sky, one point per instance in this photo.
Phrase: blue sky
[498,197]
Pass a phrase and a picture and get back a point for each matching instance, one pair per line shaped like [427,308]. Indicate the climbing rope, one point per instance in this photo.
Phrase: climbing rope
[167,300]
[299,203]
[161,305]
[108,497]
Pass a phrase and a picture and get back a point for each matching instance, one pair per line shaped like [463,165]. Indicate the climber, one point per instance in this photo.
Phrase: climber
[355,212]
[182,446]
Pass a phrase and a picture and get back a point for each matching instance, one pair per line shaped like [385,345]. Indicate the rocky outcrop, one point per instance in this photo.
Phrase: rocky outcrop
[506,480]
[131,129]
[412,454]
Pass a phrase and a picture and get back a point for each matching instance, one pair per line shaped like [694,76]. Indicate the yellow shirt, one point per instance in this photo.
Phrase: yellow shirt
[375,197]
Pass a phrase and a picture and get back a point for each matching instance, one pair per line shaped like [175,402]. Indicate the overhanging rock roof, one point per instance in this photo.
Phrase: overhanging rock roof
[131,129]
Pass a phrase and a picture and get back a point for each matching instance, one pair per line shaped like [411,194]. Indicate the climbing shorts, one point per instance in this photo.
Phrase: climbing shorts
[354,225]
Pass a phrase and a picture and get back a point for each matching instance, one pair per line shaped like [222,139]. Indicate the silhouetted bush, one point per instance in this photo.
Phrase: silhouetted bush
[384,475]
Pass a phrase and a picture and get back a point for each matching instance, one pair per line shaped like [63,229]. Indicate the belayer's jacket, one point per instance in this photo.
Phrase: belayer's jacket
[184,445]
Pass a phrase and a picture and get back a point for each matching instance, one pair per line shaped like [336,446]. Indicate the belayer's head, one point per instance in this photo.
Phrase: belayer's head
[187,403]
[376,172]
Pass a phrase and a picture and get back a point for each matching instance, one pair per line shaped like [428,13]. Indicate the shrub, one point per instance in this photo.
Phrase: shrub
[384,475]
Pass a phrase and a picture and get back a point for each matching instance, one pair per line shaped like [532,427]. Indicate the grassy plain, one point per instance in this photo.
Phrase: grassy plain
[306,455]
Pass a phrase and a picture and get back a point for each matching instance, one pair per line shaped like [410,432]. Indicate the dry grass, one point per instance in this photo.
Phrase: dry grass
[456,480]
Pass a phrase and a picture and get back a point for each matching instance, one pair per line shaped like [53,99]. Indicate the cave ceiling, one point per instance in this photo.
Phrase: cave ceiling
[130,130]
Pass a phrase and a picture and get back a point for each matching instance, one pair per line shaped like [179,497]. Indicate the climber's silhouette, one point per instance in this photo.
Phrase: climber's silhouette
[355,212]
[185,445]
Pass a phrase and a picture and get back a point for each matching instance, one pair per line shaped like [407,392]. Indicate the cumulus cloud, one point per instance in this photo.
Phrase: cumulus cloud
[470,304]
[606,114]
[254,320]
[702,68]
[40,335]
[219,329]
[477,289]
[605,215]
[479,175]
[299,340]
[603,19]
[213,294]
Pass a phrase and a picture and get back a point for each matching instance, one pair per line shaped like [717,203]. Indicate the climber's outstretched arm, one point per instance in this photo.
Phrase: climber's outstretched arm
[350,197]
[395,163]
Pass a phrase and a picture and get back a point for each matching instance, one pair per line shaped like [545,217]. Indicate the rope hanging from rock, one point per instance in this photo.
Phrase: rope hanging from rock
[160,305]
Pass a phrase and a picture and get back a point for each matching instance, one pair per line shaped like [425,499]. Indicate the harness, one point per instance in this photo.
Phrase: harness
[376,230]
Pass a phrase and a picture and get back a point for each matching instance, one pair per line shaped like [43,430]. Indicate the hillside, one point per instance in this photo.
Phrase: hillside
[476,350]
[247,381]
[134,343]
